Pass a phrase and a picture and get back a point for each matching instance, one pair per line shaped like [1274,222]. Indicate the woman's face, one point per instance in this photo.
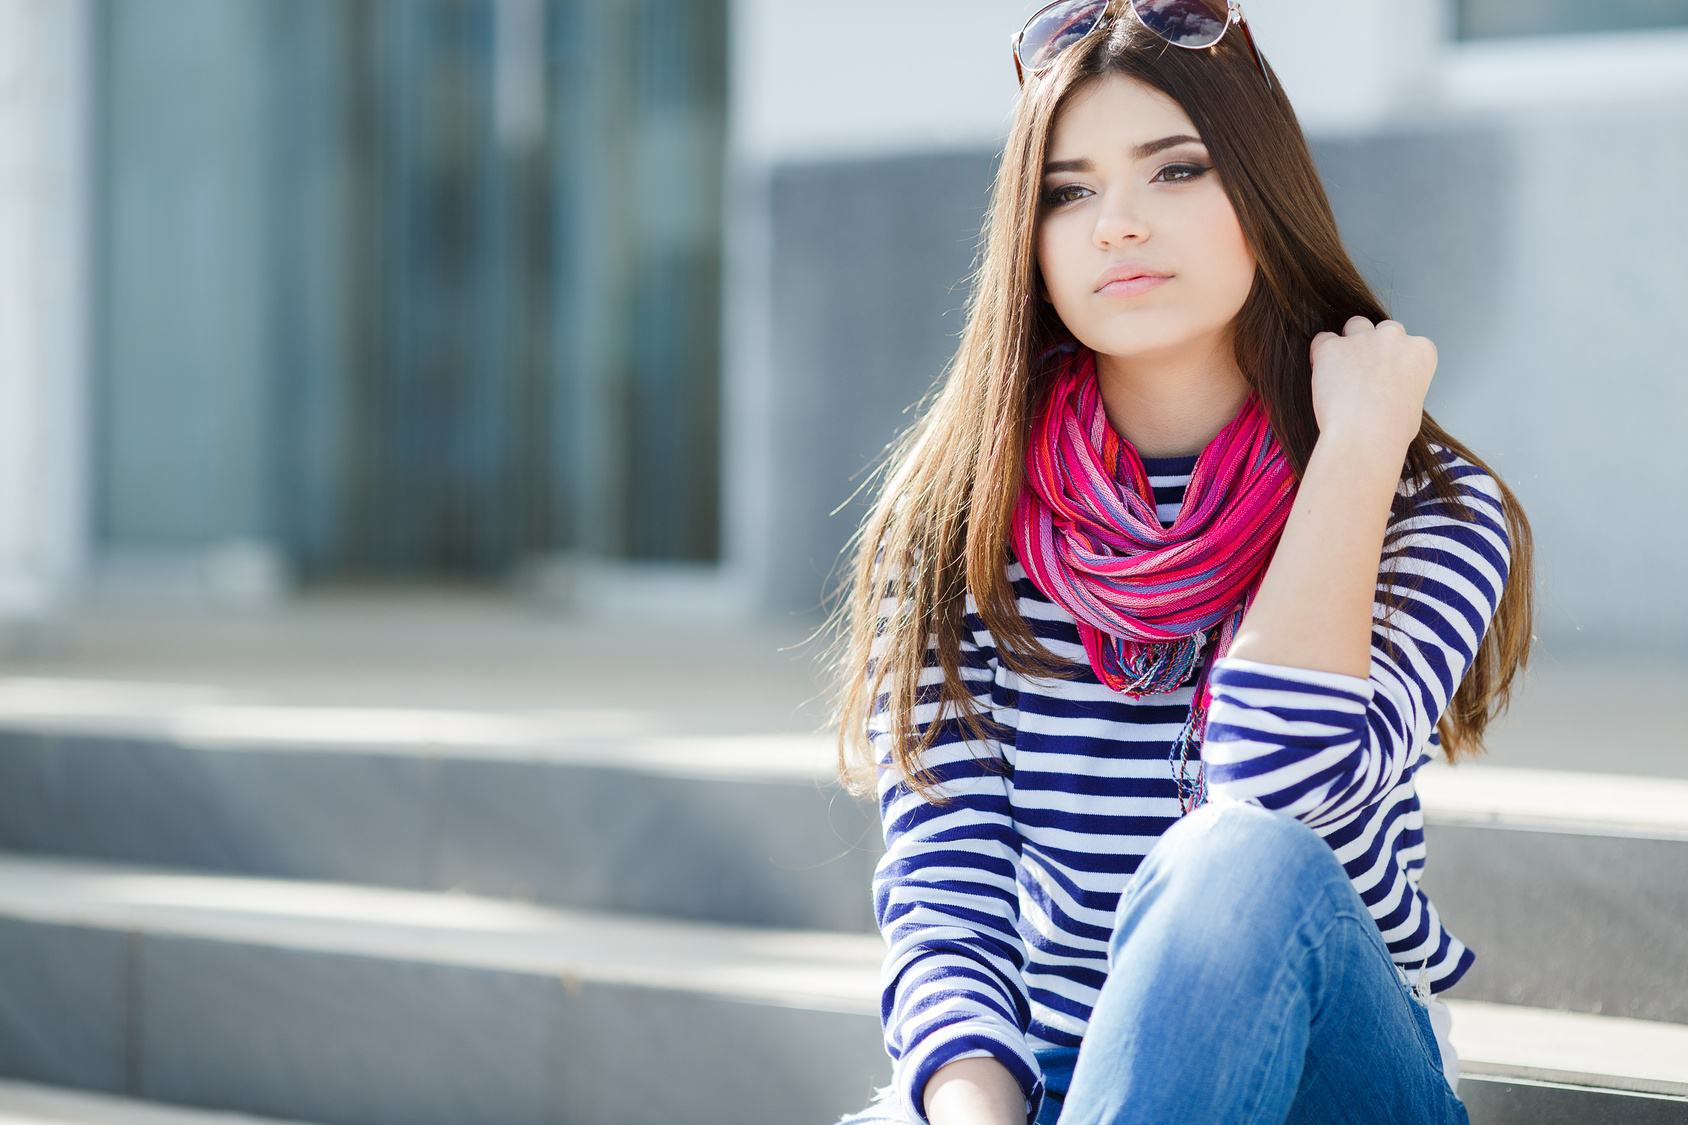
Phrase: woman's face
[1141,252]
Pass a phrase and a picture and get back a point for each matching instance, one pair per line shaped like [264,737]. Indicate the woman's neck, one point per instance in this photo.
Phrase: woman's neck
[1172,405]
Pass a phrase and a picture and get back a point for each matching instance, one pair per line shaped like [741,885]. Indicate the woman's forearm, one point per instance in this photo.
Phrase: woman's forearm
[974,1092]
[1314,607]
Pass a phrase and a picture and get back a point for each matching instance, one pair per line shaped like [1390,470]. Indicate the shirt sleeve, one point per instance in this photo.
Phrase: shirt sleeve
[1323,747]
[947,898]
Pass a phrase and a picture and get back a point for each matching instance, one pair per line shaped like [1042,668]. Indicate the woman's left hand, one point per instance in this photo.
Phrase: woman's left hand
[1370,382]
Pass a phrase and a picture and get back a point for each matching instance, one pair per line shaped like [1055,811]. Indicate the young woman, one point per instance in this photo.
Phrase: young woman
[1164,602]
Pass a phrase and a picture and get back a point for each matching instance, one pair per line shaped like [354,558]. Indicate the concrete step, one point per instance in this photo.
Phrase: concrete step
[1572,887]
[361,1006]
[555,807]
[1525,1066]
[25,1103]
[366,1006]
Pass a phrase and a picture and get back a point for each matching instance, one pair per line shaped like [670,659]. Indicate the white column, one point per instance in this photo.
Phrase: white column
[44,103]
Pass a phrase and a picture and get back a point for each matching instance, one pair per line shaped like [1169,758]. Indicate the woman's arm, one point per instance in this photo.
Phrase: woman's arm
[946,895]
[1314,607]
[1305,720]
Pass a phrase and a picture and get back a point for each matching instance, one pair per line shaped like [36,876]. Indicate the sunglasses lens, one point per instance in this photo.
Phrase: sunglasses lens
[1183,23]
[1055,29]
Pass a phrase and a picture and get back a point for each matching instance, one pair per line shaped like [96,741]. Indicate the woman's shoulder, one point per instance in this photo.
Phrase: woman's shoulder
[1464,519]
[1472,487]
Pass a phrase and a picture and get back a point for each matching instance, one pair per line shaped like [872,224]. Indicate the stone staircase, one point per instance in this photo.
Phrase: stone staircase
[414,916]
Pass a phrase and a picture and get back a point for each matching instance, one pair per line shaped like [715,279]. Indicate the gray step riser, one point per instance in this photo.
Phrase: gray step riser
[1575,922]
[783,853]
[351,1040]
[1499,1101]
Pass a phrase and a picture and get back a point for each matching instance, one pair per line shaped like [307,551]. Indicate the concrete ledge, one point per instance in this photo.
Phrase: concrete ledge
[354,1005]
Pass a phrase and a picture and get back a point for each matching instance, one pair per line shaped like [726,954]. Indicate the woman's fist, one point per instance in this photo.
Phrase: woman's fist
[1370,382]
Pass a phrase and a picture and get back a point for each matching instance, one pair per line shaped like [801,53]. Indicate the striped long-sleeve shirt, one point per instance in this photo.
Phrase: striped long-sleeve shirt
[998,903]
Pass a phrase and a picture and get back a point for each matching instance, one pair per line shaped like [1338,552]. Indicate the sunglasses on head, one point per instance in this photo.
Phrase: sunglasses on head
[1191,24]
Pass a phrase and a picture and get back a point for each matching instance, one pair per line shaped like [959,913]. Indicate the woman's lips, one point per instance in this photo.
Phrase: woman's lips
[1132,284]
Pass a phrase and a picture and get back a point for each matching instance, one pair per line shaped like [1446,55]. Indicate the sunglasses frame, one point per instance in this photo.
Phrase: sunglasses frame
[1234,17]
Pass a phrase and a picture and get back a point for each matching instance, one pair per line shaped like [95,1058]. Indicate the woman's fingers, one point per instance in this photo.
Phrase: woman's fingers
[1372,379]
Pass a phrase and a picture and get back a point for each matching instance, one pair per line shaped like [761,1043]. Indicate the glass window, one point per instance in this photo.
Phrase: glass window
[413,287]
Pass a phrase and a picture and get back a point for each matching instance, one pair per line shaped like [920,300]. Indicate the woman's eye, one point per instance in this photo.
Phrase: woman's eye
[1181,173]
[1066,193]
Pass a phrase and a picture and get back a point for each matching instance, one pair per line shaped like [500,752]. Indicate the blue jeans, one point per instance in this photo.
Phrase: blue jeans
[1248,986]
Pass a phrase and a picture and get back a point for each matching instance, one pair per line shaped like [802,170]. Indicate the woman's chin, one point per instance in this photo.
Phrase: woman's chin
[1140,345]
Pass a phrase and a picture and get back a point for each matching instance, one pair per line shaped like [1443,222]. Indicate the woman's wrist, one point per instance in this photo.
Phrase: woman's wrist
[1379,450]
[978,1091]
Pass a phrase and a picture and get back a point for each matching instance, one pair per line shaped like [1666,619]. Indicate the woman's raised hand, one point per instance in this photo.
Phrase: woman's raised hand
[1370,382]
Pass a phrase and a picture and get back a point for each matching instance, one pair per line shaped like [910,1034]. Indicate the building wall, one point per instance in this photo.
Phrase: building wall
[1552,283]
[870,262]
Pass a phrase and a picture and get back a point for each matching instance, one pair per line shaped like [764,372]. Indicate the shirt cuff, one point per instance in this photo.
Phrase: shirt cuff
[1251,675]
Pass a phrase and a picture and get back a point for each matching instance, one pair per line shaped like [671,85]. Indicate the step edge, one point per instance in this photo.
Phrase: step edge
[114,1109]
[1559,826]
[659,755]
[571,973]
[1582,1080]
[1581,1048]
[443,945]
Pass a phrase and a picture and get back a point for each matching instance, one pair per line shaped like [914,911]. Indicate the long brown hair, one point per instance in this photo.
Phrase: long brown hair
[940,529]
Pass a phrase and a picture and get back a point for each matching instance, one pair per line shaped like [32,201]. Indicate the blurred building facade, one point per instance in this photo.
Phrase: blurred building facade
[427,285]
[393,288]
[308,290]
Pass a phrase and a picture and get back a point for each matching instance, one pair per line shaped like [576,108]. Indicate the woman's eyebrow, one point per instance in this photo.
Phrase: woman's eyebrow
[1068,166]
[1141,152]
[1149,148]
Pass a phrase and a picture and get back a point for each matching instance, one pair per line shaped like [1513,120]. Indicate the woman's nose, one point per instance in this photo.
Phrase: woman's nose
[1120,223]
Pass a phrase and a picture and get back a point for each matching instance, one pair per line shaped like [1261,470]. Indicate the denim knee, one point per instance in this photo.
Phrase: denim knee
[1238,859]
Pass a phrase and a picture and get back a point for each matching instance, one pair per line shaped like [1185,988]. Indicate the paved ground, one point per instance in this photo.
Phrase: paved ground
[482,652]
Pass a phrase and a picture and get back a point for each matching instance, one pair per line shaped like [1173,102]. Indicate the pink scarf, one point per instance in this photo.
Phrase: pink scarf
[1145,597]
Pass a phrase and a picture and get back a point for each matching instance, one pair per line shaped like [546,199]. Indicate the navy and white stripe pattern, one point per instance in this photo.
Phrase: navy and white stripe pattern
[998,902]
